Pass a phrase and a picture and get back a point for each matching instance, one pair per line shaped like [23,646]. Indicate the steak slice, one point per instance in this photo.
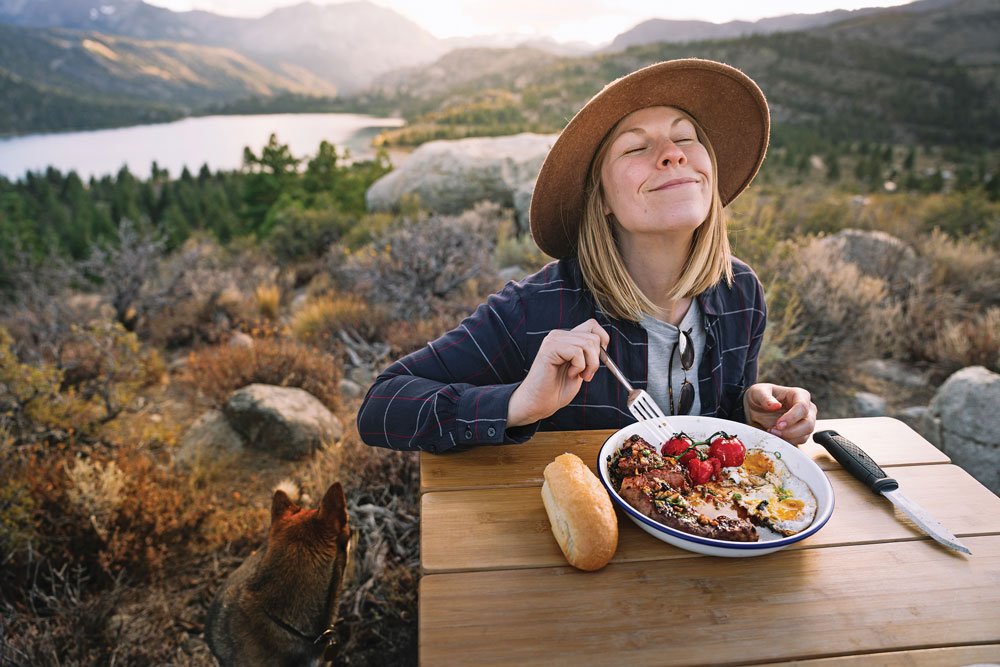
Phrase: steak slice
[653,497]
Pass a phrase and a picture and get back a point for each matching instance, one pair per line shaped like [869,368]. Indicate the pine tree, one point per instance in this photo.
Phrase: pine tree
[266,178]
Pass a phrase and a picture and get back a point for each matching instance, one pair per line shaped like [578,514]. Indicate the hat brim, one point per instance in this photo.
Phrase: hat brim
[728,105]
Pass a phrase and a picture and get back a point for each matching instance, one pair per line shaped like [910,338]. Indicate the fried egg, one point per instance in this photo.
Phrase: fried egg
[772,494]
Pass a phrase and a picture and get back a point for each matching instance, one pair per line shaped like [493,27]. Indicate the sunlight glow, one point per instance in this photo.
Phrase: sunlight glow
[593,21]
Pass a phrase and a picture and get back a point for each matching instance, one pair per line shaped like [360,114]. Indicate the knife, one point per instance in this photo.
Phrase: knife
[859,464]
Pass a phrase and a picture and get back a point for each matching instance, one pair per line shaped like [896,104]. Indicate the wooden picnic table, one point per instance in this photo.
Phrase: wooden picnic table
[867,589]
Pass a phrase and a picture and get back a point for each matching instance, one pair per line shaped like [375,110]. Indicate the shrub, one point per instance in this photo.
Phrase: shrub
[159,520]
[431,265]
[515,249]
[96,490]
[124,267]
[374,225]
[29,395]
[823,317]
[220,370]
[965,215]
[197,295]
[82,536]
[98,375]
[106,366]
[35,303]
[303,234]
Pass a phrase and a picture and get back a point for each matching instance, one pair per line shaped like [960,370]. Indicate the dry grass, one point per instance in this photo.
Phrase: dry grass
[268,298]
[319,320]
[962,266]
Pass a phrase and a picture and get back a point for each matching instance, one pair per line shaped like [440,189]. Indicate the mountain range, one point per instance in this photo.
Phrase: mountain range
[79,63]
[928,75]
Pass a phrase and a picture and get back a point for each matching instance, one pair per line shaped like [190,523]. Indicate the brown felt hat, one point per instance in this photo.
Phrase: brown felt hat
[728,105]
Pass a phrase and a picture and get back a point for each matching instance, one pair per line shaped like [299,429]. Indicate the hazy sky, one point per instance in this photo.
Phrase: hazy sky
[594,21]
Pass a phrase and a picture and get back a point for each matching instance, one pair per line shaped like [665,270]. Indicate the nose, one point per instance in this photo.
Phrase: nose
[671,153]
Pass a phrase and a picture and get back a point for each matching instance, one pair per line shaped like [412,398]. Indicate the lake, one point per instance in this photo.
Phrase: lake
[214,140]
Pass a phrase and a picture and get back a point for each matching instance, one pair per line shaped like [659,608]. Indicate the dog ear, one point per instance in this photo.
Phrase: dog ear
[333,510]
[281,505]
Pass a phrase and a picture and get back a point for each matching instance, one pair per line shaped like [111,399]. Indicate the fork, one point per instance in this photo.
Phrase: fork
[642,406]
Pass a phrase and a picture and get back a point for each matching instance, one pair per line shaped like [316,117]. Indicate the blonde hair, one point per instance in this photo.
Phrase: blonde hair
[601,259]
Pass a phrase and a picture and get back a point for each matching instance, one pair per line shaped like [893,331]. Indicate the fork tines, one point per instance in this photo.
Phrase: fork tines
[649,414]
[645,407]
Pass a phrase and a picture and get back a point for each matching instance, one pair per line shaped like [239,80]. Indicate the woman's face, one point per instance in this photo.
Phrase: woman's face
[657,175]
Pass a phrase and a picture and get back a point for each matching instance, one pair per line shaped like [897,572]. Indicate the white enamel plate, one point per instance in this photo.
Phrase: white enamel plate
[700,428]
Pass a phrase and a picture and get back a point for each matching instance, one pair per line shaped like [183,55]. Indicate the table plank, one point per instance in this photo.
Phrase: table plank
[821,602]
[889,441]
[483,529]
[930,657]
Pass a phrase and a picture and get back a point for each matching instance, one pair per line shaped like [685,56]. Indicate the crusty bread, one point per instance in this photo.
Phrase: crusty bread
[580,511]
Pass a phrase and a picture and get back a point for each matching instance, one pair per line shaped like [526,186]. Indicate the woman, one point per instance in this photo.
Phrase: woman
[630,201]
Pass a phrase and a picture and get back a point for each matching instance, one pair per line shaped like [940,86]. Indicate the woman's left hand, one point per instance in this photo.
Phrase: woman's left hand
[787,412]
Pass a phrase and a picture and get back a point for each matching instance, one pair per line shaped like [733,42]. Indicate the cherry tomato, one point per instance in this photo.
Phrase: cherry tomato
[728,449]
[676,445]
[703,471]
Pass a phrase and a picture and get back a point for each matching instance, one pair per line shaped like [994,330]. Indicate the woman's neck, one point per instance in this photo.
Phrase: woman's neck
[655,263]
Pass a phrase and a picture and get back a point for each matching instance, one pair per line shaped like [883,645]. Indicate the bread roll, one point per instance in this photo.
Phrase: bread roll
[580,511]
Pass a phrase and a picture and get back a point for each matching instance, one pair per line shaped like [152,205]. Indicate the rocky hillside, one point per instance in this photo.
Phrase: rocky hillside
[343,45]
[870,78]
[63,79]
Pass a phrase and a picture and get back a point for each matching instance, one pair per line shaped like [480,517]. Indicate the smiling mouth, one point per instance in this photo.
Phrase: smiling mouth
[673,183]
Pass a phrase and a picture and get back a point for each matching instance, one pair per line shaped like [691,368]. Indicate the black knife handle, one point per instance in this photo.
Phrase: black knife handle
[856,461]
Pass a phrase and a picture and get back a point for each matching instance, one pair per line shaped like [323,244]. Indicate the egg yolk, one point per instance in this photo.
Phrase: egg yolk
[757,463]
[789,508]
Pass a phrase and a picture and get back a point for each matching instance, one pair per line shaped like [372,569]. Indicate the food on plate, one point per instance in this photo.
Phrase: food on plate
[580,511]
[714,488]
[771,493]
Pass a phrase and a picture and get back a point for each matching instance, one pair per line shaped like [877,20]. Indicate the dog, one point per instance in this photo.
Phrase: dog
[280,605]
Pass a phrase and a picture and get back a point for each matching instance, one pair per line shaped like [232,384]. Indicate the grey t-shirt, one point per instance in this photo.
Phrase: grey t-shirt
[662,337]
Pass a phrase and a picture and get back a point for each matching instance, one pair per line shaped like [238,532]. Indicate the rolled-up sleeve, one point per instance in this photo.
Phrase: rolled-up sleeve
[454,392]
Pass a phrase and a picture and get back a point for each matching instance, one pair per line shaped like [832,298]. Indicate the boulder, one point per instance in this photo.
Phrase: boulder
[868,405]
[894,372]
[351,389]
[877,254]
[241,340]
[210,437]
[968,422]
[918,417]
[452,176]
[285,421]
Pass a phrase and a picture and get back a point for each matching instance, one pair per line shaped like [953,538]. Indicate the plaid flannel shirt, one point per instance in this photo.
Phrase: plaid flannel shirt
[454,392]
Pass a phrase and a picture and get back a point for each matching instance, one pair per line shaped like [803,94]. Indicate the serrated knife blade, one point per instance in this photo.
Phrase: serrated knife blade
[858,463]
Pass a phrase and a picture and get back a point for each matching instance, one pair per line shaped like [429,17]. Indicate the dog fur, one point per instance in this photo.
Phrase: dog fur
[279,606]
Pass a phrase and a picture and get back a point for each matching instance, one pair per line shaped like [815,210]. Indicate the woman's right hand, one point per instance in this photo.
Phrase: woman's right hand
[565,360]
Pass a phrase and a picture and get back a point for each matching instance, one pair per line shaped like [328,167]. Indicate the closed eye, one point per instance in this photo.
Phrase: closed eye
[634,149]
